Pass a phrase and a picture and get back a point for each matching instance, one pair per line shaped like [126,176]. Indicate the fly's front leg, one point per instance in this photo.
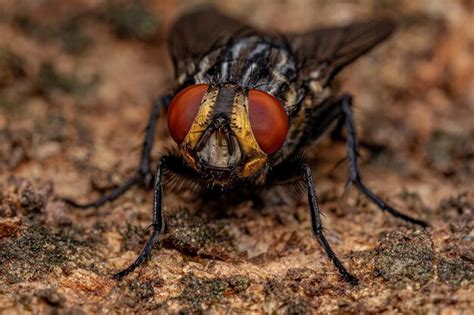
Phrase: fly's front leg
[157,224]
[318,228]
[143,174]
[168,163]
[345,104]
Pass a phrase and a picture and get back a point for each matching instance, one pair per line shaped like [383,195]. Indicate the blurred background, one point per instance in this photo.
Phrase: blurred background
[77,79]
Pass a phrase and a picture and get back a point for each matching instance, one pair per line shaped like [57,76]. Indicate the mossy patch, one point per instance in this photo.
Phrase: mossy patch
[195,235]
[133,236]
[199,294]
[37,252]
[402,258]
[454,271]
[139,294]
[290,295]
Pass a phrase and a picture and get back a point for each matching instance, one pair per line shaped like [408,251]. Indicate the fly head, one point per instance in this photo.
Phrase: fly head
[226,132]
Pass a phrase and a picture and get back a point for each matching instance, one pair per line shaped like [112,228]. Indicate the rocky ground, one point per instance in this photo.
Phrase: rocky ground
[76,82]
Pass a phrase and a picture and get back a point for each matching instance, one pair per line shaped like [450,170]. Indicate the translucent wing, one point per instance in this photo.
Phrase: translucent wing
[325,51]
[322,52]
[195,33]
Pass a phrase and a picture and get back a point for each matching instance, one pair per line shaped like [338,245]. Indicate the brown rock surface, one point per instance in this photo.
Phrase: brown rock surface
[76,82]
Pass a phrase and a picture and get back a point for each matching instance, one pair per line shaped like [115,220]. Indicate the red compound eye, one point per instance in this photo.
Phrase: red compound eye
[183,109]
[268,120]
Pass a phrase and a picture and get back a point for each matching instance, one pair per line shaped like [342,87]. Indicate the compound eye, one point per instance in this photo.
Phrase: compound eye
[183,109]
[268,120]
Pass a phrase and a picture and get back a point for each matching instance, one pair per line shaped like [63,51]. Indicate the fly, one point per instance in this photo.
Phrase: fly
[246,104]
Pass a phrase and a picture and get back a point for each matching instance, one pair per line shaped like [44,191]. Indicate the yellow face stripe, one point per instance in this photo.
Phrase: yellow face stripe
[256,158]
[202,120]
[200,123]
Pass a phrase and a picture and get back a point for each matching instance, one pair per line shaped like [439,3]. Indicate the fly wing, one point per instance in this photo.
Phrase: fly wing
[196,32]
[324,52]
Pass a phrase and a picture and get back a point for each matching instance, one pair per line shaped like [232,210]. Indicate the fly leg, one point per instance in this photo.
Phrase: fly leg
[157,224]
[290,172]
[143,174]
[166,164]
[345,103]
[318,228]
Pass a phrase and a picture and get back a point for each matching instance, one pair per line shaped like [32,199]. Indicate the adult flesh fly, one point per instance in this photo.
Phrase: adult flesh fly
[246,103]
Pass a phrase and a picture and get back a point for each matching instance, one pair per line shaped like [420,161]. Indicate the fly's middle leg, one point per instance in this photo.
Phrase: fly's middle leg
[344,103]
[339,111]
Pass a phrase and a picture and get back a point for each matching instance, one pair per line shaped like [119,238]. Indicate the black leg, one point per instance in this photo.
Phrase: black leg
[345,103]
[336,133]
[318,228]
[144,169]
[112,195]
[143,174]
[157,225]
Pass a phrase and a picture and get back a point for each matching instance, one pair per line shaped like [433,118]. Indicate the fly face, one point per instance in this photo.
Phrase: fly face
[226,131]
